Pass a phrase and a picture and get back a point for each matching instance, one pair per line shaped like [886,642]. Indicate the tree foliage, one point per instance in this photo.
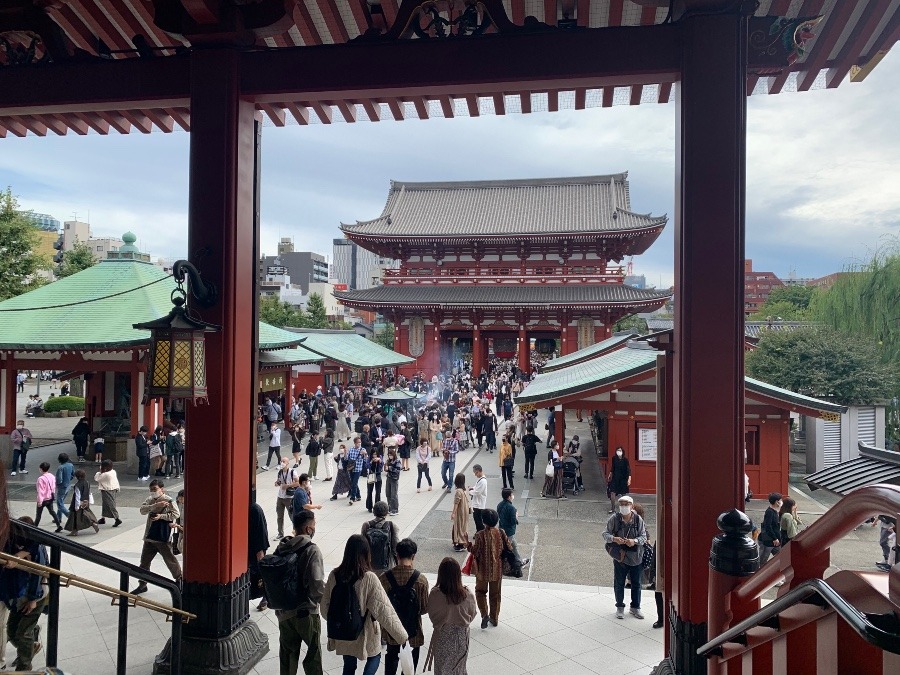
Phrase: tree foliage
[278,313]
[385,337]
[633,323]
[798,296]
[79,258]
[823,363]
[316,316]
[19,263]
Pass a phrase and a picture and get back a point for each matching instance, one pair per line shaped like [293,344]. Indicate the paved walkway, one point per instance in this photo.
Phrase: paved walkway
[545,627]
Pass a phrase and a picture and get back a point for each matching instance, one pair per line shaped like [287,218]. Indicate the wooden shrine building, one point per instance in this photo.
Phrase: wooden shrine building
[493,265]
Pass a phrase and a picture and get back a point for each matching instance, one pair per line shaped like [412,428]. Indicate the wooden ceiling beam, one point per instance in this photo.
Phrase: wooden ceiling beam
[160,119]
[583,12]
[808,8]
[274,113]
[323,111]
[499,104]
[580,98]
[32,124]
[525,102]
[77,125]
[181,117]
[616,9]
[637,91]
[360,11]
[99,22]
[608,96]
[15,127]
[857,40]
[421,108]
[824,44]
[389,7]
[156,34]
[72,25]
[472,103]
[347,110]
[553,100]
[396,108]
[334,21]
[115,120]
[447,106]
[2,130]
[55,124]
[299,113]
[665,92]
[373,111]
[303,21]
[203,11]
[138,120]
[95,122]
[550,12]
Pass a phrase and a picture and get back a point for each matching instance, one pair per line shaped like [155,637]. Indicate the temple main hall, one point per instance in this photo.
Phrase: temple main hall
[488,267]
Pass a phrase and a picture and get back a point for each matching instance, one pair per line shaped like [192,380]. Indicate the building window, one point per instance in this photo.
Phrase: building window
[100,248]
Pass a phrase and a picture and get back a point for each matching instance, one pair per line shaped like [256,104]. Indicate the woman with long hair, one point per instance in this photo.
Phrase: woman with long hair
[553,476]
[355,572]
[488,549]
[459,515]
[451,608]
[392,468]
[789,520]
[80,515]
[342,482]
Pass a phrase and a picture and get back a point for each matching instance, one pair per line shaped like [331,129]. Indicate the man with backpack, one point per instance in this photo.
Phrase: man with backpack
[407,589]
[382,537]
[294,577]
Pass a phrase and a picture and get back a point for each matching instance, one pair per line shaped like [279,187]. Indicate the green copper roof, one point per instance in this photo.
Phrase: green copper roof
[789,396]
[396,394]
[625,362]
[51,319]
[290,356]
[588,375]
[350,349]
[588,352]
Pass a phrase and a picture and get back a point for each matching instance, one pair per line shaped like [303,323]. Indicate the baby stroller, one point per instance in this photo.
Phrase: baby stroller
[571,476]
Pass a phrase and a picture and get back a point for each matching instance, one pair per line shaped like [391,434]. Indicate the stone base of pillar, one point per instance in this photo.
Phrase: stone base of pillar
[222,640]
[665,667]
[685,638]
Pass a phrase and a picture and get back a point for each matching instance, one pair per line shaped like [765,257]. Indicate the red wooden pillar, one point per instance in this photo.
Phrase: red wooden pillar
[708,392]
[221,220]
[7,412]
[524,351]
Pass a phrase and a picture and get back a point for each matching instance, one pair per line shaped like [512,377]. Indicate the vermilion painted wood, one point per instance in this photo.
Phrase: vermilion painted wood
[708,414]
[824,44]
[808,8]
[305,25]
[888,36]
[860,35]
[101,25]
[220,208]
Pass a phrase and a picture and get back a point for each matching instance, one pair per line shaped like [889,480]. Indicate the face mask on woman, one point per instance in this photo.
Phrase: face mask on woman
[618,453]
[624,509]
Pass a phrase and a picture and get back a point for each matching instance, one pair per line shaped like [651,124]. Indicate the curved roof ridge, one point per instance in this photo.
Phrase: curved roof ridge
[398,185]
[663,218]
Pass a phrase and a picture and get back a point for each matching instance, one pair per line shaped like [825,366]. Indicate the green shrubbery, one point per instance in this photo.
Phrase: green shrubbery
[58,403]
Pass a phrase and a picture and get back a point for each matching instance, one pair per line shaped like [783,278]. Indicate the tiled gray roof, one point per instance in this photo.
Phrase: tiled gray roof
[489,295]
[585,205]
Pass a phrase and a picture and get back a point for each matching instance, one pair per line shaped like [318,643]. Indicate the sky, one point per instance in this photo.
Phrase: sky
[823,179]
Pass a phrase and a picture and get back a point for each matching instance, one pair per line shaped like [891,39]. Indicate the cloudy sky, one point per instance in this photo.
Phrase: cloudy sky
[822,172]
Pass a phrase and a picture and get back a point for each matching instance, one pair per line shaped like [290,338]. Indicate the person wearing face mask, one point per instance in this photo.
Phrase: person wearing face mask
[770,534]
[509,522]
[625,537]
[161,511]
[619,478]
[302,624]
[21,441]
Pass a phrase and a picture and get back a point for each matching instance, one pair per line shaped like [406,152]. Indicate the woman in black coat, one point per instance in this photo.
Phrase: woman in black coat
[80,434]
[619,478]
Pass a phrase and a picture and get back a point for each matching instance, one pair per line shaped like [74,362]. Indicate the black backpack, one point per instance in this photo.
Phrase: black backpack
[177,443]
[345,619]
[281,575]
[405,601]
[380,544]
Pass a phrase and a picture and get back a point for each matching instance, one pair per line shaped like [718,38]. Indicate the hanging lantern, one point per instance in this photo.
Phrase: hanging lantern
[176,369]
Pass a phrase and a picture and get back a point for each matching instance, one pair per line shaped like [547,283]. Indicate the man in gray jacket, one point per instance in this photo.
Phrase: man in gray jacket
[625,537]
[161,511]
[303,624]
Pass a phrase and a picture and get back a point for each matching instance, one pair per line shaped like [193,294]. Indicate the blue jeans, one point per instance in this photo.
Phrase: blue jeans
[18,463]
[448,467]
[633,573]
[61,494]
[370,668]
[354,487]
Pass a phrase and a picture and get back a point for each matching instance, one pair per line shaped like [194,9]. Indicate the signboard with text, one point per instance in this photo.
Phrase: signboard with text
[647,444]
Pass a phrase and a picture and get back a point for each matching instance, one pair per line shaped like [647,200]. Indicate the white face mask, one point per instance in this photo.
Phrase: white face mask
[619,453]
[624,509]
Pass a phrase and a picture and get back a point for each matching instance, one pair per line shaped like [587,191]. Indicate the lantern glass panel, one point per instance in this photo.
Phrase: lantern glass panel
[159,375]
[199,363]
[181,362]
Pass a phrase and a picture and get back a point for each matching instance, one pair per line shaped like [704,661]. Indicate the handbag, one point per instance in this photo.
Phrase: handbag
[407,666]
[159,531]
[647,560]
[370,478]
[616,551]
[550,471]
[468,564]
[439,435]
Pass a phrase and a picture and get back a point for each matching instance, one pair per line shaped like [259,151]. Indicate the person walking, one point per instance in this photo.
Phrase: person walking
[451,609]
[392,468]
[423,455]
[407,589]
[553,475]
[64,474]
[769,539]
[142,450]
[313,451]
[302,625]
[489,422]
[459,514]
[327,447]
[448,465]
[530,445]
[80,434]
[302,500]
[619,478]
[161,511]
[354,575]
[274,445]
[81,517]
[342,481]
[46,489]
[382,536]
[625,537]
[257,545]
[21,439]
[487,551]
[507,460]
[287,481]
[478,496]
[375,472]
[108,482]
[789,522]
[297,434]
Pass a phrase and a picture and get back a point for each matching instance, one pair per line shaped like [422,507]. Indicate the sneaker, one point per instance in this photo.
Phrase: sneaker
[266,467]
[278,536]
[636,613]
[429,488]
[23,471]
[526,561]
[141,588]
[883,566]
[262,606]
[81,460]
[418,490]
[12,473]
[102,521]
[620,612]
[333,498]
[117,523]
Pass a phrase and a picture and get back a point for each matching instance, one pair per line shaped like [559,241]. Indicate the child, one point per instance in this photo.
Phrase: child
[99,444]
[46,490]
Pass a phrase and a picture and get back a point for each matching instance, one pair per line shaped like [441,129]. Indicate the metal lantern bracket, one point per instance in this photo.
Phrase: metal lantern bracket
[204,293]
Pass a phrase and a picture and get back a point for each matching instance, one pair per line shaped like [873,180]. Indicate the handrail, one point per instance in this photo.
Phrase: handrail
[858,621]
[96,587]
[817,539]
[57,546]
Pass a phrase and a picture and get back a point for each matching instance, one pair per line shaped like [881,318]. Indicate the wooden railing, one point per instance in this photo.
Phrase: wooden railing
[502,274]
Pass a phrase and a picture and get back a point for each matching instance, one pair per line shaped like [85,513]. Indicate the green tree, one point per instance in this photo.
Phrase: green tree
[79,258]
[19,263]
[823,363]
[385,337]
[633,323]
[317,317]
[781,310]
[277,313]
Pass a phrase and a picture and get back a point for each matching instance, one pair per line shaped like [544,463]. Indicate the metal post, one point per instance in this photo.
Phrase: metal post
[122,645]
[39,383]
[175,651]
[53,608]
